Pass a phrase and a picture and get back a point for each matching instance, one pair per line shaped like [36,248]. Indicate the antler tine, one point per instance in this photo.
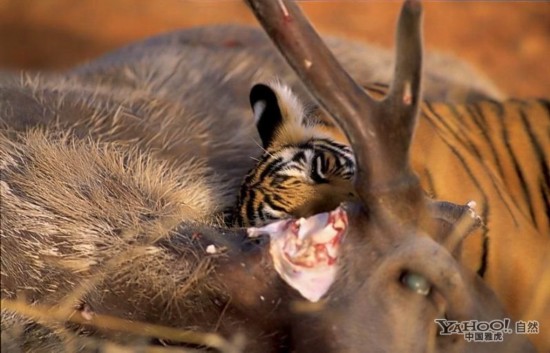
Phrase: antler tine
[401,104]
[408,67]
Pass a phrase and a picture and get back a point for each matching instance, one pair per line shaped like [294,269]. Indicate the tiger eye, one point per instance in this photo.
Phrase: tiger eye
[417,283]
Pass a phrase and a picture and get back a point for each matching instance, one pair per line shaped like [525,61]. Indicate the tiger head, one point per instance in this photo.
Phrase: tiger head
[306,167]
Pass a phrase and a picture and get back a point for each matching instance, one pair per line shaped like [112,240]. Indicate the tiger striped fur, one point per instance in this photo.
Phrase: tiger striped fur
[495,153]
[306,166]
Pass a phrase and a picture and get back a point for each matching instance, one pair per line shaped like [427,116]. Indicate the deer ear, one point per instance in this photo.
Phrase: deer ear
[267,112]
[305,252]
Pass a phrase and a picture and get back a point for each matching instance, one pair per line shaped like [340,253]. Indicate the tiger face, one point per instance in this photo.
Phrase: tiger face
[306,167]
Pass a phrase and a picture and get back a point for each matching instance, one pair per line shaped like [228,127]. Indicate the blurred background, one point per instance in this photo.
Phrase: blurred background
[509,40]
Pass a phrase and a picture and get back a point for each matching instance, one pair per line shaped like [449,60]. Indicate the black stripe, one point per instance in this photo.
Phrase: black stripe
[250,211]
[499,107]
[278,179]
[517,168]
[266,163]
[300,156]
[242,193]
[484,255]
[268,200]
[331,145]
[539,152]
[493,182]
[326,145]
[467,143]
[344,156]
[478,116]
[485,215]
[237,217]
[318,158]
[475,112]
[261,214]
[287,204]
[277,202]
[545,103]
[247,185]
[273,166]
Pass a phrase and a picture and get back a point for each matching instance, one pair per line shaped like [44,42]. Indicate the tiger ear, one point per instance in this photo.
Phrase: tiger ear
[267,112]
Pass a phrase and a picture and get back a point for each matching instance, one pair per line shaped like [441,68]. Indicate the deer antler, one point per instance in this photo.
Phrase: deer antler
[380,132]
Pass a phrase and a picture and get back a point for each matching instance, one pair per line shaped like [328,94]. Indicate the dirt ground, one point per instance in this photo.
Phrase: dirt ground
[510,40]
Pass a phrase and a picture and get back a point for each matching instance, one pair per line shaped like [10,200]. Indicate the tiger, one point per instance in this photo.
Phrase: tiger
[306,165]
[492,152]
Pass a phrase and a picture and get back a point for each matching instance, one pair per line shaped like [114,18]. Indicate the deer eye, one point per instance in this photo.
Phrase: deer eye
[417,283]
